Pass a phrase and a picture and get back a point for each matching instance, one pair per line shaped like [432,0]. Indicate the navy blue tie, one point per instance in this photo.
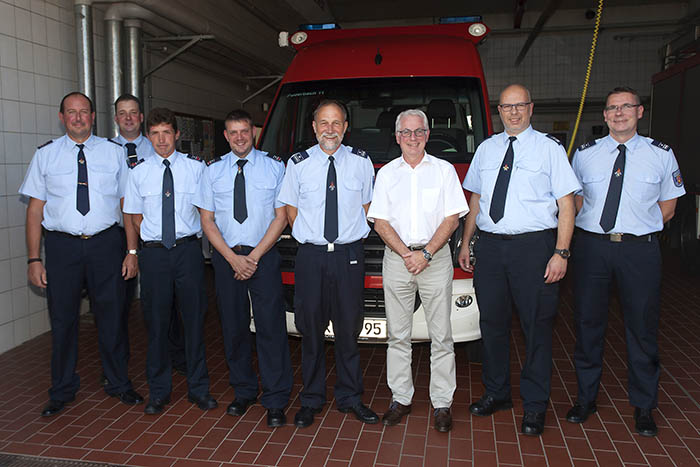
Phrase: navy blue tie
[131,153]
[240,211]
[500,190]
[330,226]
[168,221]
[83,197]
[612,200]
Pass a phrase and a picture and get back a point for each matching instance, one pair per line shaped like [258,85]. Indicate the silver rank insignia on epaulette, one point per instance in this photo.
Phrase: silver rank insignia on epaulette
[661,145]
[300,156]
[195,158]
[131,165]
[586,145]
[273,157]
[554,138]
[360,152]
[216,159]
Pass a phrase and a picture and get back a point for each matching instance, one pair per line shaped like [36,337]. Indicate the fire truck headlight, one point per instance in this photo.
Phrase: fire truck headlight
[299,37]
[476,30]
[464,301]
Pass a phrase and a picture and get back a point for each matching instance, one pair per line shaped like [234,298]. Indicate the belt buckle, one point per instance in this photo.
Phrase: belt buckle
[616,237]
[85,237]
[331,247]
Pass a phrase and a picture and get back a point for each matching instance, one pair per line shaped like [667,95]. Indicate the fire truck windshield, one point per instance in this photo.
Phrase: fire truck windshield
[454,106]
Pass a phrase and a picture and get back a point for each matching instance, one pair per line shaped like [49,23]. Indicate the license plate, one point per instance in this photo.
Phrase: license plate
[372,328]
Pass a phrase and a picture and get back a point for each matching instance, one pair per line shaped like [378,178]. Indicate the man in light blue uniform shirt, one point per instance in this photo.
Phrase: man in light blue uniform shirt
[75,185]
[630,187]
[160,194]
[243,220]
[327,190]
[522,203]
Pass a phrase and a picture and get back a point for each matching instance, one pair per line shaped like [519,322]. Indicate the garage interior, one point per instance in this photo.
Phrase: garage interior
[205,58]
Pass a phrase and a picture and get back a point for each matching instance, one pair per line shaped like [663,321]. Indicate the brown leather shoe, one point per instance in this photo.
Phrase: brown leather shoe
[395,413]
[443,419]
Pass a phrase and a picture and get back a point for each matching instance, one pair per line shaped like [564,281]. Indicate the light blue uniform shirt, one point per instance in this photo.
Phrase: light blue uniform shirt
[144,148]
[144,195]
[53,177]
[263,179]
[541,174]
[651,175]
[304,187]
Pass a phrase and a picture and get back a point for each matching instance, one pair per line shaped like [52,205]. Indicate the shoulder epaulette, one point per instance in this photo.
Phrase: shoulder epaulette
[195,158]
[216,159]
[112,141]
[661,145]
[359,152]
[131,165]
[300,156]
[586,145]
[272,156]
[45,144]
[554,138]
[488,136]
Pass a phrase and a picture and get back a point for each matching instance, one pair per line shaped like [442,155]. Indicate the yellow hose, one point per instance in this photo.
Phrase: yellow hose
[588,75]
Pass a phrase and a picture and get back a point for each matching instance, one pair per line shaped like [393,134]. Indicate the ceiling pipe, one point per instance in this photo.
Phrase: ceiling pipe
[84,49]
[133,58]
[115,72]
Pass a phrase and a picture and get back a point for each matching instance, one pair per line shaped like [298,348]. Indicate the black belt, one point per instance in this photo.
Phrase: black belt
[519,236]
[82,237]
[330,247]
[242,248]
[619,237]
[179,241]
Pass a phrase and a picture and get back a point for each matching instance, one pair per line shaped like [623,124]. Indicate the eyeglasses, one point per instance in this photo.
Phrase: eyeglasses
[621,108]
[418,132]
[520,106]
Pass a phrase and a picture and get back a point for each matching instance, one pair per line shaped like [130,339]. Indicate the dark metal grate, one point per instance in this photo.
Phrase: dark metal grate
[9,460]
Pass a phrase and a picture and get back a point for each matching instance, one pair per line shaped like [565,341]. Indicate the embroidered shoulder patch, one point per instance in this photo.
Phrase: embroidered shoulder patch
[360,152]
[45,144]
[195,158]
[131,165]
[300,156]
[661,145]
[277,158]
[113,142]
[554,138]
[677,178]
[216,159]
[586,145]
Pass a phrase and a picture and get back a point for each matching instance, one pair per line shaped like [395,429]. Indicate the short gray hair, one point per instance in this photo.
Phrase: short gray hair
[412,113]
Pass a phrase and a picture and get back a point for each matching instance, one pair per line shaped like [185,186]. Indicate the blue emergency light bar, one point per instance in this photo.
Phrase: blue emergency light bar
[319,26]
[460,19]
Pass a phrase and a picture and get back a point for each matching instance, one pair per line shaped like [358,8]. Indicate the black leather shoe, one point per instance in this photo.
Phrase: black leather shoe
[443,419]
[533,423]
[205,402]
[239,406]
[54,406]
[362,413]
[644,422]
[129,397]
[156,406]
[487,405]
[395,413]
[276,418]
[579,413]
[305,416]
[180,368]
[103,380]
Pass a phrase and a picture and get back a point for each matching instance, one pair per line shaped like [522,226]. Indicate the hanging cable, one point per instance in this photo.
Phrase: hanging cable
[588,75]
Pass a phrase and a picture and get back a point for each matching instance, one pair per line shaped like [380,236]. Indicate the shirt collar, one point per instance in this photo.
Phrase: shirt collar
[427,159]
[522,138]
[89,143]
[251,157]
[136,141]
[337,155]
[157,159]
[630,144]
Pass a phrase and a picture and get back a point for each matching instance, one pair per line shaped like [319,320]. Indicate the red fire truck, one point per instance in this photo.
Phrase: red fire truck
[377,73]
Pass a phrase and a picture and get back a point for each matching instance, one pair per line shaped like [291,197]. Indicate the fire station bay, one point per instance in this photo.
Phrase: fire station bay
[349,233]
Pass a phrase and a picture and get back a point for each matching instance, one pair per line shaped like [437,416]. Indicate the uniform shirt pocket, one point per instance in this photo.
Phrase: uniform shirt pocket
[263,194]
[223,195]
[643,188]
[103,180]
[595,185]
[537,181]
[61,181]
[311,194]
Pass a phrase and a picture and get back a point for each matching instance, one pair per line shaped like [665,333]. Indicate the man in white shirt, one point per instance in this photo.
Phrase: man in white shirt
[415,208]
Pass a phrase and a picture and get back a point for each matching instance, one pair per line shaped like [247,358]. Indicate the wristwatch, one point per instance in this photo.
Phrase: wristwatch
[427,255]
[133,252]
[564,253]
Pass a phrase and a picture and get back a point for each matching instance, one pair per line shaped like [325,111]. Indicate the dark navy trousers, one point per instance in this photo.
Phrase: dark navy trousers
[509,272]
[266,295]
[636,268]
[72,262]
[329,286]
[167,275]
